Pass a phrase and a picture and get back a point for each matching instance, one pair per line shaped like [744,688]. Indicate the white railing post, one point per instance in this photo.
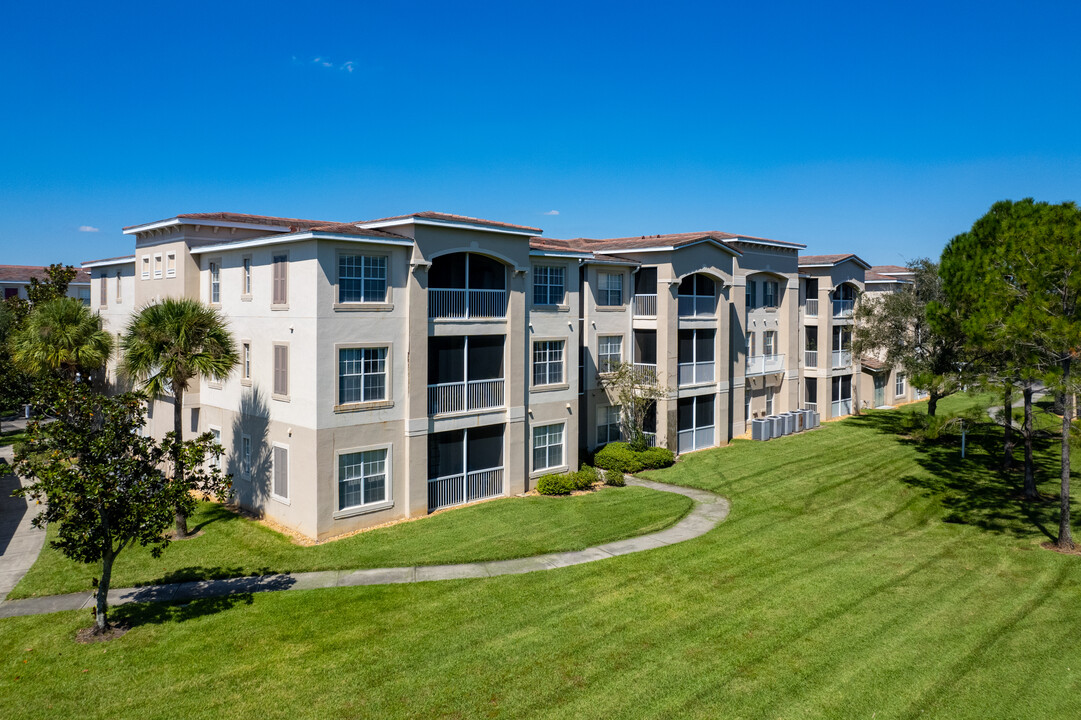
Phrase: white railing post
[811,307]
[810,358]
[645,305]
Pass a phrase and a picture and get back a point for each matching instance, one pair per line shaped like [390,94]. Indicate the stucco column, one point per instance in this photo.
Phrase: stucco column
[737,348]
[667,361]
[516,440]
[723,369]
[416,394]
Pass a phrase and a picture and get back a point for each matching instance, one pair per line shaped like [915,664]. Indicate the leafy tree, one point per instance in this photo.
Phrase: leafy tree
[61,336]
[168,346]
[634,389]
[913,330]
[100,480]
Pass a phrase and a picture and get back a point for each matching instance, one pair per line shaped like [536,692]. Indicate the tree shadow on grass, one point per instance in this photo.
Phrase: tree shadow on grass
[974,490]
[195,573]
[214,513]
[158,613]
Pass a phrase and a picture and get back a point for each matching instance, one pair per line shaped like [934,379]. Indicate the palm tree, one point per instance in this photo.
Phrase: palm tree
[169,345]
[61,336]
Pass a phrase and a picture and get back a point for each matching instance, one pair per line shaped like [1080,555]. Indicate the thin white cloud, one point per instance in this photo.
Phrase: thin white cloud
[88,228]
[348,66]
[552,212]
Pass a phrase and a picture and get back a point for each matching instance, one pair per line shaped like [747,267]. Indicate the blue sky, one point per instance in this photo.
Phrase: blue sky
[877,128]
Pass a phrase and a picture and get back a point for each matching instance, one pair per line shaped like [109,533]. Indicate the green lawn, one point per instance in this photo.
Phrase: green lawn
[858,576]
[10,437]
[231,546]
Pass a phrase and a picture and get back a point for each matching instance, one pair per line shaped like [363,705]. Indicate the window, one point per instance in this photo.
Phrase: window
[610,289]
[362,478]
[104,295]
[157,265]
[696,355]
[769,342]
[146,267]
[245,456]
[899,384]
[84,295]
[281,370]
[548,285]
[608,424]
[695,422]
[215,458]
[246,361]
[247,276]
[752,294]
[170,265]
[747,405]
[280,292]
[280,472]
[119,293]
[697,296]
[548,362]
[769,401]
[215,283]
[362,278]
[362,375]
[547,446]
[770,292]
[609,352]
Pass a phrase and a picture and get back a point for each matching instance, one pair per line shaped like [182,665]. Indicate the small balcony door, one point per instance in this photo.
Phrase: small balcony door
[465,373]
[645,292]
[645,353]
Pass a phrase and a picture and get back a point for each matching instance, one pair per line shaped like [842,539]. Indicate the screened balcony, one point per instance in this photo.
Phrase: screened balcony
[841,388]
[645,355]
[697,296]
[464,466]
[696,356]
[695,416]
[842,346]
[467,285]
[465,373]
[764,364]
[645,292]
[844,301]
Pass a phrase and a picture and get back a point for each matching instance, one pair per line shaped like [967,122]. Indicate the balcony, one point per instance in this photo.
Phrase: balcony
[645,305]
[466,303]
[464,488]
[764,364]
[646,373]
[812,406]
[842,358]
[691,306]
[696,373]
[843,308]
[810,308]
[452,397]
[810,358]
[842,407]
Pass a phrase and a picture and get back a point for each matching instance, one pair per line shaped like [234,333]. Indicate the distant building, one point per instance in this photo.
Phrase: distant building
[14,280]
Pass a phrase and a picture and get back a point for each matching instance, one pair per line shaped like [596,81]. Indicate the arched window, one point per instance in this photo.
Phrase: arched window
[697,296]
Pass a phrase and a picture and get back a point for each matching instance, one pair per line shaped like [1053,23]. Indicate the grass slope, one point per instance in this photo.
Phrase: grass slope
[835,589]
[231,546]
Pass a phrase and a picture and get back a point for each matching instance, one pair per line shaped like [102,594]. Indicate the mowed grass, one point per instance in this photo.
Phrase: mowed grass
[859,575]
[232,546]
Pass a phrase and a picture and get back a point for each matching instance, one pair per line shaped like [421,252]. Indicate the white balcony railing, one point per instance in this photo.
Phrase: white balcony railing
[461,396]
[810,308]
[466,303]
[764,364]
[695,373]
[697,306]
[646,373]
[645,305]
[810,358]
[842,358]
[842,407]
[843,308]
[695,439]
[650,438]
[464,487]
[812,406]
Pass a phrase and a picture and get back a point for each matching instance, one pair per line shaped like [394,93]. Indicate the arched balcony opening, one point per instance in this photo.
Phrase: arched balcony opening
[467,285]
[844,300]
[697,296]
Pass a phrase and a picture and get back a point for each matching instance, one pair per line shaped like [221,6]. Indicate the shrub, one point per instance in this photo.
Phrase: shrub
[654,458]
[584,478]
[618,456]
[555,484]
[614,478]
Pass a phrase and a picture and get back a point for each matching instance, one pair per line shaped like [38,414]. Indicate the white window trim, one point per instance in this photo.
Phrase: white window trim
[339,304]
[369,507]
[289,473]
[901,381]
[245,462]
[600,357]
[388,364]
[170,264]
[288,371]
[563,285]
[158,266]
[245,362]
[146,267]
[602,287]
[213,264]
[532,448]
[564,381]
[246,277]
[212,460]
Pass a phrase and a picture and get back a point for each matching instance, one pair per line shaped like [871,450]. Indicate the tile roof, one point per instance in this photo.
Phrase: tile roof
[873,364]
[871,276]
[23,273]
[292,223]
[448,217]
[352,229]
[824,259]
[890,270]
[102,260]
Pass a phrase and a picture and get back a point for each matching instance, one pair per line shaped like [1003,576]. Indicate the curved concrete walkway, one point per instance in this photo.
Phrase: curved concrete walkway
[709,511]
[20,542]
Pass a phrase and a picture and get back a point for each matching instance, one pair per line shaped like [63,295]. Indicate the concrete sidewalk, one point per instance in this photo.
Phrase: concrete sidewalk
[20,542]
[709,511]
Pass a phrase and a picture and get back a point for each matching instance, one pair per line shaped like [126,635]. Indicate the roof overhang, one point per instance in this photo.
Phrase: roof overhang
[542,252]
[445,224]
[299,237]
[769,243]
[672,248]
[202,222]
[106,263]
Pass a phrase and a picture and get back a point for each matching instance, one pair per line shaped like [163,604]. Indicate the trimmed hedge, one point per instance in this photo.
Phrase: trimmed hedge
[614,478]
[619,456]
[555,484]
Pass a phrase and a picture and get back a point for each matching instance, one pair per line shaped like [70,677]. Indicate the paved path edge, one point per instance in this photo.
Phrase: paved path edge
[709,511]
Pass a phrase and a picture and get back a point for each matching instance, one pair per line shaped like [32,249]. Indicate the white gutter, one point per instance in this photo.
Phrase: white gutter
[298,237]
[173,222]
[107,263]
[448,224]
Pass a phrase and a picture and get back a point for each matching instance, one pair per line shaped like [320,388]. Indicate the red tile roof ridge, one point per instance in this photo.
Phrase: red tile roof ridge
[451,217]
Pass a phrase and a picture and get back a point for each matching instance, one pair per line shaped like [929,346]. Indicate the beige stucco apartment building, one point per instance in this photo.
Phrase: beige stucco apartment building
[393,367]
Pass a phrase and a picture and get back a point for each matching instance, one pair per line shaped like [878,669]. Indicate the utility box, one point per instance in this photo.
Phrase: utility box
[761,429]
[778,425]
[815,418]
[789,422]
[801,420]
